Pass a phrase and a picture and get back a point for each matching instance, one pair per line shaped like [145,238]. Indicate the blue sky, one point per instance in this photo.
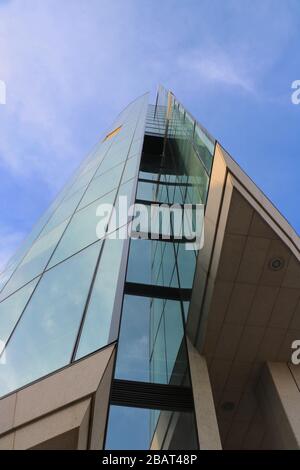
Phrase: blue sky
[70,66]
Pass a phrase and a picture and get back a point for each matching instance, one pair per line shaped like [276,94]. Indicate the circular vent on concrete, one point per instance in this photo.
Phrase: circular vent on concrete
[276,263]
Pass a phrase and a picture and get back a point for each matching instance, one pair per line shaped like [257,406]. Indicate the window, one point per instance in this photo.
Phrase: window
[136,147]
[44,339]
[97,325]
[102,185]
[123,201]
[35,261]
[140,428]
[82,181]
[64,210]
[11,310]
[146,191]
[81,231]
[186,261]
[148,176]
[117,153]
[174,342]
[133,349]
[128,428]
[152,262]
[130,169]
[151,346]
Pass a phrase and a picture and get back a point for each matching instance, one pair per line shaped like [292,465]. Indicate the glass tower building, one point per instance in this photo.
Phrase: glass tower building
[150,341]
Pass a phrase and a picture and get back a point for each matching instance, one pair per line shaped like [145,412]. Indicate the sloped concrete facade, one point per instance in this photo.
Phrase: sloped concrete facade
[66,410]
[244,313]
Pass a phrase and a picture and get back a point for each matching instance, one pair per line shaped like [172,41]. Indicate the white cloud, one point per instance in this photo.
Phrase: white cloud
[53,67]
[69,67]
[239,44]
[217,69]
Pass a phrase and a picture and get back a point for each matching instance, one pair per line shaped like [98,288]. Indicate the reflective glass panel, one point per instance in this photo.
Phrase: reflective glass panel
[116,154]
[122,203]
[158,362]
[174,341]
[136,146]
[4,277]
[186,261]
[35,261]
[81,231]
[11,309]
[66,209]
[146,265]
[148,176]
[146,191]
[97,324]
[82,181]
[44,338]
[130,169]
[161,221]
[101,185]
[136,428]
[134,345]
[151,347]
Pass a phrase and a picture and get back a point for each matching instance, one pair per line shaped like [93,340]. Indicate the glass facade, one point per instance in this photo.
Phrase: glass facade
[57,293]
[68,292]
[180,435]
[43,339]
[174,171]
